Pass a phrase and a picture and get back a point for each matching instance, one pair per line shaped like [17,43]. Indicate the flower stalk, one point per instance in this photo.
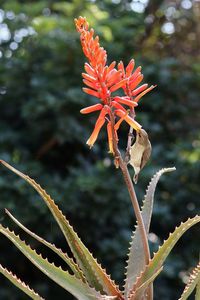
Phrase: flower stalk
[101,81]
[123,166]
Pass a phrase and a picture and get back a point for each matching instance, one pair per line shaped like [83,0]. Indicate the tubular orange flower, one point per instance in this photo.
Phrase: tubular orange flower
[144,92]
[102,80]
[128,119]
[126,101]
[99,123]
[139,89]
[110,139]
[121,120]
[91,108]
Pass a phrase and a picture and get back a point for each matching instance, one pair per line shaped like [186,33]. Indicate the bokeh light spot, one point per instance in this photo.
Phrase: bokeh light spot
[168,28]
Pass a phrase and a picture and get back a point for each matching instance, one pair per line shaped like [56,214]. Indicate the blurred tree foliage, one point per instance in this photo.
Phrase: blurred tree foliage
[43,134]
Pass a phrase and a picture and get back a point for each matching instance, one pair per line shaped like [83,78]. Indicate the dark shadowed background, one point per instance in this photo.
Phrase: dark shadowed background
[43,134]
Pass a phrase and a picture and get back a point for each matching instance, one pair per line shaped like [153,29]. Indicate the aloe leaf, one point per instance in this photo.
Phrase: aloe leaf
[93,272]
[69,282]
[148,282]
[197,295]
[20,284]
[194,279]
[136,256]
[73,266]
[160,256]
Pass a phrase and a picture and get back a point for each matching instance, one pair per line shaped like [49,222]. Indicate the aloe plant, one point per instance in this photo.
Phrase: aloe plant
[86,279]
[193,282]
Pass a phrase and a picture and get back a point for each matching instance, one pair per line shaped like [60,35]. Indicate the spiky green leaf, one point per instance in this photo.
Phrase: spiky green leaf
[69,282]
[193,280]
[73,266]
[136,256]
[20,284]
[145,285]
[197,294]
[159,257]
[93,272]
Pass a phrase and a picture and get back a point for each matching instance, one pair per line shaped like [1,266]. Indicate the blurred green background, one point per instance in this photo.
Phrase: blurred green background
[43,134]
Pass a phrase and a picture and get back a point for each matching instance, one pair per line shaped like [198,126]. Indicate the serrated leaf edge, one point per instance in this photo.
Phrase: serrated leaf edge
[87,292]
[20,284]
[148,282]
[193,280]
[73,266]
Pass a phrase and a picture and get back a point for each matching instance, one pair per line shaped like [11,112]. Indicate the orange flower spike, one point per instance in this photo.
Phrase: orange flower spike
[102,80]
[99,123]
[144,92]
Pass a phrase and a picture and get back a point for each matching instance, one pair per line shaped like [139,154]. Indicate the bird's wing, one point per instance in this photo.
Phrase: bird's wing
[145,157]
